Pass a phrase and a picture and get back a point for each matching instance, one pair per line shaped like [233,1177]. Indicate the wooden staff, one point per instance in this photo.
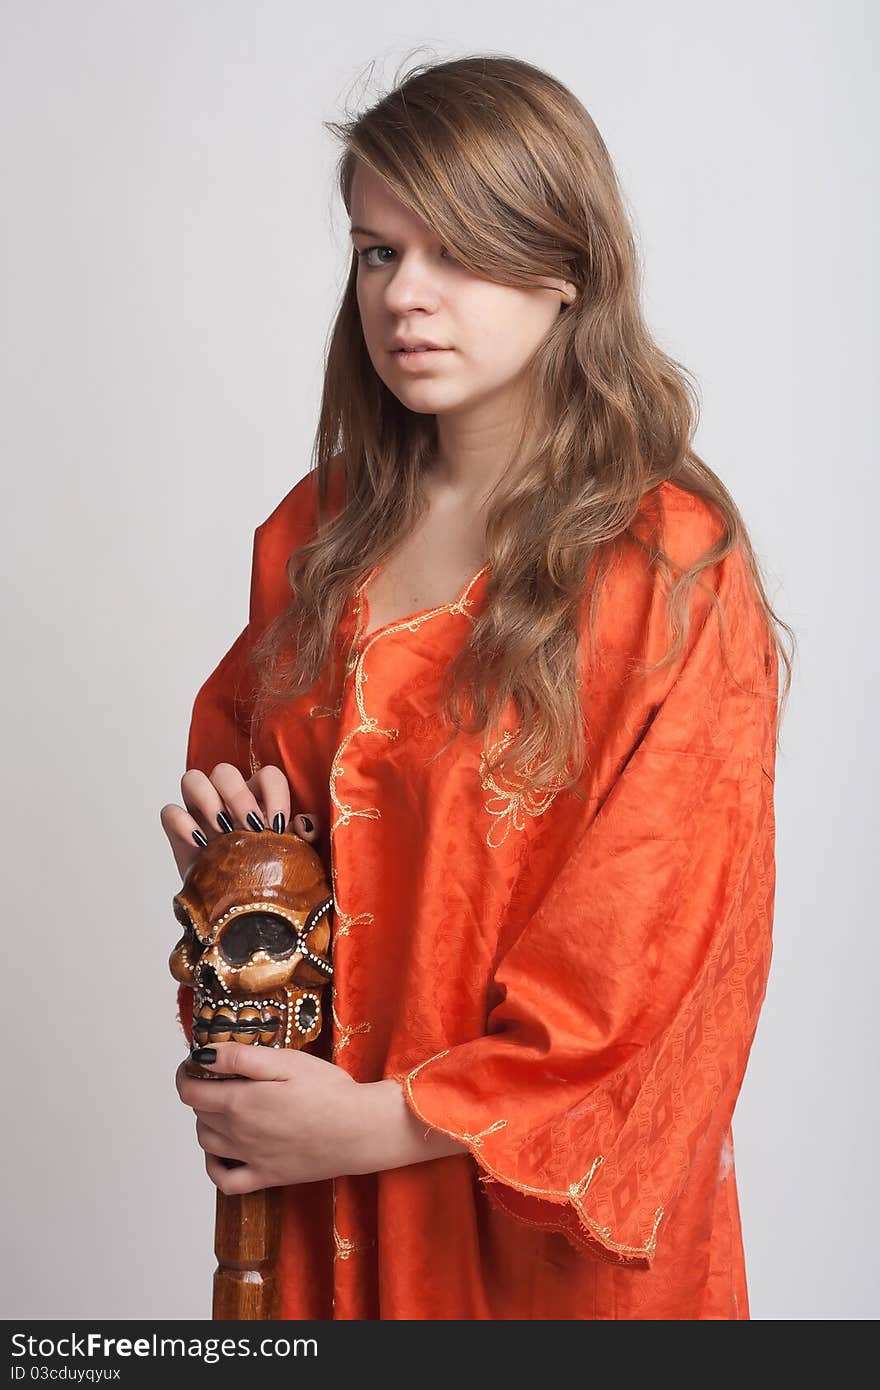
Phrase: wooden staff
[256,912]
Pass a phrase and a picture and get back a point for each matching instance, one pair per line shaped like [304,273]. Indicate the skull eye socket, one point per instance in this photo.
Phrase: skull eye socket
[257,931]
[190,937]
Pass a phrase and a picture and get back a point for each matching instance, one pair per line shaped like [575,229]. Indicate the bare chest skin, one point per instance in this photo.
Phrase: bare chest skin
[428,568]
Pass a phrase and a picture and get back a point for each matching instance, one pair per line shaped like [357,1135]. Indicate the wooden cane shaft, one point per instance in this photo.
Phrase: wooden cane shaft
[246,1242]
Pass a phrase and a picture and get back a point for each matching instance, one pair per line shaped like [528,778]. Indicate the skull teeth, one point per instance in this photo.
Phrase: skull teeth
[241,1020]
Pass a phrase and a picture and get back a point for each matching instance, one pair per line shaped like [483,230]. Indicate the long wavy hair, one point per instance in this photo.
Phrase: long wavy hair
[507,167]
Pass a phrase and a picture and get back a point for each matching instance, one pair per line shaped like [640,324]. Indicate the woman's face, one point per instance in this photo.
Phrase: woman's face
[409,287]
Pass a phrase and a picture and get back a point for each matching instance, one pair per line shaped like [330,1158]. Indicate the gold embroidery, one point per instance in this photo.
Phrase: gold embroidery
[510,806]
[459,605]
[477,1139]
[347,812]
[345,921]
[578,1189]
[347,1033]
[575,1192]
[344,1248]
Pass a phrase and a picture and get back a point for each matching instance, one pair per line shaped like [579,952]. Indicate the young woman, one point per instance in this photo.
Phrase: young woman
[511,668]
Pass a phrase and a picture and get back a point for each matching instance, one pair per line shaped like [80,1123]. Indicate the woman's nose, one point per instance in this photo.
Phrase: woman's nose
[410,287]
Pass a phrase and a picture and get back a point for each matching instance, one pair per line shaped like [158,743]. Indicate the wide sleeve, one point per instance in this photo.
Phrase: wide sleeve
[219,729]
[628,999]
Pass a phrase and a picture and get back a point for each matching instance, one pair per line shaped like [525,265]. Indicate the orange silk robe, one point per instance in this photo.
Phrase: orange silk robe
[570,988]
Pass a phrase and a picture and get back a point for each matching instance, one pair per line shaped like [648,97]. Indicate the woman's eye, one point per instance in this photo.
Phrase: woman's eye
[362,255]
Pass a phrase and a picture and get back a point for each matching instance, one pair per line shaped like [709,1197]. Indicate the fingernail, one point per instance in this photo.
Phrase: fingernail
[254,821]
[204,1054]
[200,838]
[224,822]
[278,823]
[308,825]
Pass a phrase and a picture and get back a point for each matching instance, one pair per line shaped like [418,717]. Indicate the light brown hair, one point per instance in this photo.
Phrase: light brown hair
[508,169]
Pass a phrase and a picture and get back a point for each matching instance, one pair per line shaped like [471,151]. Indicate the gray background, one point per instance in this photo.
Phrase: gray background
[173,252]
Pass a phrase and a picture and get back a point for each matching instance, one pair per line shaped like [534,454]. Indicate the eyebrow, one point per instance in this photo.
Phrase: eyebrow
[364,231]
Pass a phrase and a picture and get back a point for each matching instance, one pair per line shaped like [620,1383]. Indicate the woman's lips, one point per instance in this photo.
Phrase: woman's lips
[415,359]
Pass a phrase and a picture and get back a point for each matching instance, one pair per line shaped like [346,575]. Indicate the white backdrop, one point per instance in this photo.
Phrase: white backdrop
[173,253]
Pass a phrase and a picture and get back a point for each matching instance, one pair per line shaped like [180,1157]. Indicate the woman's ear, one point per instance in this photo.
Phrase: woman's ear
[565,288]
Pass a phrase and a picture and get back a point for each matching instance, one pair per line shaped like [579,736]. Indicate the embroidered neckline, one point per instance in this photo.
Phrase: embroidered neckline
[409,620]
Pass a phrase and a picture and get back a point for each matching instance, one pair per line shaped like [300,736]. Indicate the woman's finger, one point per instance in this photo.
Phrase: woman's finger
[244,810]
[212,1141]
[307,826]
[271,787]
[204,803]
[184,835]
[272,790]
[231,1176]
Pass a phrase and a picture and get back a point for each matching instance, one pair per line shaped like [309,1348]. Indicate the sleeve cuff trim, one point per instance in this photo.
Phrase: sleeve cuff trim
[589,1234]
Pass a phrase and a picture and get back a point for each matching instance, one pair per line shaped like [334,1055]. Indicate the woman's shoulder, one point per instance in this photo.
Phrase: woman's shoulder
[295,517]
[637,591]
[292,522]
[684,523]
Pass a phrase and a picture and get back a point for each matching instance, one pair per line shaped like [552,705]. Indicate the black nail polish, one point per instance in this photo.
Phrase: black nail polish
[308,825]
[254,821]
[204,1054]
[278,823]
[224,822]
[200,838]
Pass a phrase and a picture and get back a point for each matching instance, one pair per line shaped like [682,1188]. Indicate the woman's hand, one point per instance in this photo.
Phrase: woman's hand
[291,1118]
[296,1118]
[225,801]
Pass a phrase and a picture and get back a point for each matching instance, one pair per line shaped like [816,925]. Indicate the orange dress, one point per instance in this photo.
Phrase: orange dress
[568,987]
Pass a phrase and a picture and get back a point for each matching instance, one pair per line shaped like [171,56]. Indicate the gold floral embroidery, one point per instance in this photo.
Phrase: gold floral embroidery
[509,806]
[347,812]
[347,1033]
[574,1193]
[343,921]
[345,1248]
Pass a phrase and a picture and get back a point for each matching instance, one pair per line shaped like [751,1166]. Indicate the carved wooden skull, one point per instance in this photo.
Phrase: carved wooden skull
[256,912]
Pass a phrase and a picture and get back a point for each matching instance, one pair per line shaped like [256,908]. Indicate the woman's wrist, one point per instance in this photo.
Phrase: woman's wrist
[388,1134]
